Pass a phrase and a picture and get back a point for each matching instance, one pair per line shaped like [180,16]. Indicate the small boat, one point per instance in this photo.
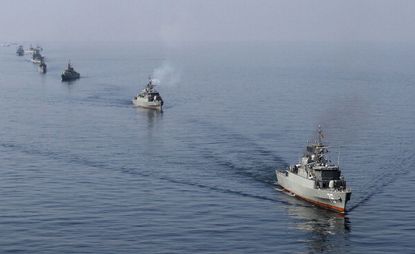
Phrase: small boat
[149,97]
[20,51]
[316,179]
[70,74]
[42,67]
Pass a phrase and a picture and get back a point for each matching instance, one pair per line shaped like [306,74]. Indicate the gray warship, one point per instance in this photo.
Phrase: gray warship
[31,49]
[42,67]
[37,58]
[20,51]
[316,179]
[70,74]
[149,97]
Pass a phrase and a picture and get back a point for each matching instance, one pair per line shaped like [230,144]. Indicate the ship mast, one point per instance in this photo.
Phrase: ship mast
[320,135]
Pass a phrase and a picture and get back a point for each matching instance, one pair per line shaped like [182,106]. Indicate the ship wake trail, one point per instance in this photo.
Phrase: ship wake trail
[390,173]
[104,102]
[81,161]
[257,170]
[236,154]
[224,190]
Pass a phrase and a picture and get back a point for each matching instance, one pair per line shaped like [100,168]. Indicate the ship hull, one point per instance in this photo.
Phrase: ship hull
[69,78]
[147,104]
[304,189]
[42,70]
[35,61]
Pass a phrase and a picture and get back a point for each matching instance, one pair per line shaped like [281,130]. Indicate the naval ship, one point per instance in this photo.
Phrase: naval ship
[70,74]
[316,179]
[32,50]
[20,51]
[42,67]
[37,58]
[149,97]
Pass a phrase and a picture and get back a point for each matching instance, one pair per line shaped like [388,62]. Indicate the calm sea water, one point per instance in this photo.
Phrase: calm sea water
[83,171]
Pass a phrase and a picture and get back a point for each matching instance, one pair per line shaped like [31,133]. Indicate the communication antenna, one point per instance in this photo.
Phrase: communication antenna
[320,134]
[338,158]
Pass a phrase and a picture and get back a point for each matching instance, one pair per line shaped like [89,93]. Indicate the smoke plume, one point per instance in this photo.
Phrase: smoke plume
[166,75]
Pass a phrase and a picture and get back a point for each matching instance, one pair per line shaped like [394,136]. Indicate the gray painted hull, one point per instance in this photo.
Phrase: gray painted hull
[147,104]
[304,188]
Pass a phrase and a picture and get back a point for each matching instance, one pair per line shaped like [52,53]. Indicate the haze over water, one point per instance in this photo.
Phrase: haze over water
[245,85]
[83,171]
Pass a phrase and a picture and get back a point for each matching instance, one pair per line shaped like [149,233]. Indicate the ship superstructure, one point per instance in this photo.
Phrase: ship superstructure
[37,58]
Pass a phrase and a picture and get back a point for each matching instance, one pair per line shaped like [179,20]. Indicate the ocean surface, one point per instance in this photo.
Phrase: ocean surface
[83,171]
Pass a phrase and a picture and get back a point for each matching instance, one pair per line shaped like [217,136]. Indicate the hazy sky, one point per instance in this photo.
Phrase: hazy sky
[208,20]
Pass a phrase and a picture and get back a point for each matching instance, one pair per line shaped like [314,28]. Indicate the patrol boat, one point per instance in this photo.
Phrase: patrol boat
[70,74]
[316,179]
[20,51]
[149,97]
[42,67]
